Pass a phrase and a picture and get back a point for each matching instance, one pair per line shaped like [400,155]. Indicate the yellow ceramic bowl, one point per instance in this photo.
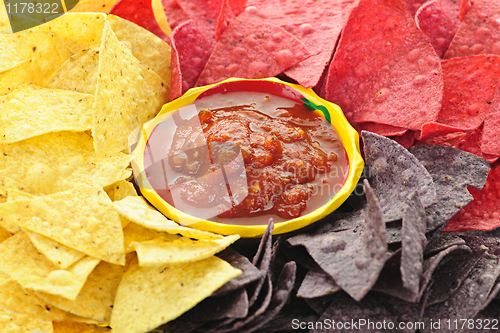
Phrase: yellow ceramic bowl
[348,136]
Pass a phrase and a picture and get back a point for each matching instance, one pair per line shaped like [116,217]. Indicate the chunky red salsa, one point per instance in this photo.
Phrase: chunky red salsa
[241,157]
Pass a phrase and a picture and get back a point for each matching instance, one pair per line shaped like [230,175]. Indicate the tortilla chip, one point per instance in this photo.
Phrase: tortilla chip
[149,49]
[317,283]
[78,73]
[469,87]
[249,274]
[473,292]
[16,323]
[233,305]
[120,190]
[395,174]
[413,242]
[151,296]
[78,31]
[175,14]
[453,171]
[141,13]
[75,218]
[225,17]
[397,80]
[490,140]
[37,165]
[253,50]
[190,53]
[4,234]
[483,213]
[137,210]
[478,33]
[95,300]
[59,255]
[181,250]
[23,263]
[204,14]
[353,257]
[13,77]
[74,327]
[15,299]
[127,95]
[161,17]
[436,25]
[31,111]
[380,129]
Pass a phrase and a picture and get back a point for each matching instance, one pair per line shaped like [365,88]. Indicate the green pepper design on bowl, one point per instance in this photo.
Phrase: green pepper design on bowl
[227,157]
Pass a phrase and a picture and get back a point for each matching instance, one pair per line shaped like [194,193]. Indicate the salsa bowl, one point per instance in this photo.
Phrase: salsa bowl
[227,157]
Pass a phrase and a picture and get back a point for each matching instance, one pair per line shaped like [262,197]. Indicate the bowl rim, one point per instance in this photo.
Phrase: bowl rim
[348,136]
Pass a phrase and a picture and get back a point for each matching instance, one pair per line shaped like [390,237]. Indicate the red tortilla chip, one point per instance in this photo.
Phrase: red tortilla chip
[483,213]
[406,140]
[469,87]
[380,129]
[254,50]
[490,142]
[452,9]
[310,22]
[204,14]
[479,32]
[226,16]
[238,6]
[397,80]
[414,5]
[465,6]
[141,13]
[190,52]
[471,143]
[436,25]
[432,130]
[175,14]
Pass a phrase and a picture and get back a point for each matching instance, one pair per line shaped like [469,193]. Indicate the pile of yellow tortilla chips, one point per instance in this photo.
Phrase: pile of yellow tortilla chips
[80,251]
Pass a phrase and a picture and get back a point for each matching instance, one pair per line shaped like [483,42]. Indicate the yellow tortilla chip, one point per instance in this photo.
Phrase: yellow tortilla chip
[161,17]
[82,219]
[179,250]
[4,234]
[159,248]
[95,6]
[137,210]
[14,298]
[16,195]
[127,95]
[4,19]
[58,254]
[148,48]
[11,322]
[22,22]
[120,190]
[41,47]
[9,51]
[56,162]
[77,31]
[22,262]
[74,327]
[31,111]
[97,296]
[78,73]
[151,296]
[16,76]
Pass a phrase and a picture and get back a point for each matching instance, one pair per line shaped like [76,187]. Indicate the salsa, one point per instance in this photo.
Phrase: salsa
[242,157]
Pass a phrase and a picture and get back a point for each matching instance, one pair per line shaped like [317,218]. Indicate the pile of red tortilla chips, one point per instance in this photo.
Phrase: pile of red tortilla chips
[418,72]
